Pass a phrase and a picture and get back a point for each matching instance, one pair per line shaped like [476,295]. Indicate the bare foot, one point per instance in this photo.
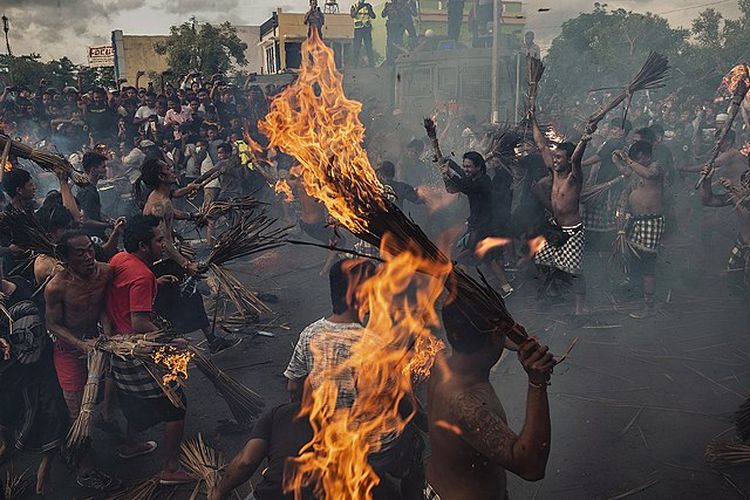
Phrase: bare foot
[42,475]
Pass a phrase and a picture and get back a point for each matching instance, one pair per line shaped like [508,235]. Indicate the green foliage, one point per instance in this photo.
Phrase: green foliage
[605,48]
[29,71]
[206,48]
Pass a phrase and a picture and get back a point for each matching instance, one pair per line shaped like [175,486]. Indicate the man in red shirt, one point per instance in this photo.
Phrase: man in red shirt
[129,306]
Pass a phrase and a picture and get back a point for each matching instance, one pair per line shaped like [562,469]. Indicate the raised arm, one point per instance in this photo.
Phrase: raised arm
[578,153]
[159,210]
[485,430]
[68,200]
[541,143]
[709,198]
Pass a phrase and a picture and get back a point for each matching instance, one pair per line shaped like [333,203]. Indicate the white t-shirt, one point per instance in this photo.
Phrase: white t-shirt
[205,167]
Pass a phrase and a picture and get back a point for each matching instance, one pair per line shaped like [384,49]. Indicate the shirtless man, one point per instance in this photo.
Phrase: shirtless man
[736,196]
[472,445]
[640,215]
[561,193]
[75,303]
[185,313]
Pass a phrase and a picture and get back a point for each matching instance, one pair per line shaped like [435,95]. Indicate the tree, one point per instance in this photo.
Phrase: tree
[208,49]
[604,49]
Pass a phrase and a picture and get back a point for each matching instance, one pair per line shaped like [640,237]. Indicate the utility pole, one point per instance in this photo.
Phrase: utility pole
[6,28]
[497,7]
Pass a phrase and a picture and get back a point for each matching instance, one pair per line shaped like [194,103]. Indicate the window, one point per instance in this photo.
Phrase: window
[293,54]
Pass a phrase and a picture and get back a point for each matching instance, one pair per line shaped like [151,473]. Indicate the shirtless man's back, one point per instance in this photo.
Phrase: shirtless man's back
[472,445]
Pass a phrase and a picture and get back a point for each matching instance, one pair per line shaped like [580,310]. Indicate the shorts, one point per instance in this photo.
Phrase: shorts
[186,314]
[71,368]
[144,413]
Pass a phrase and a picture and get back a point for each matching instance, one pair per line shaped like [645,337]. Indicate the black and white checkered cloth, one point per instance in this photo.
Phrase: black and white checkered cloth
[429,493]
[569,256]
[599,215]
[131,376]
[645,232]
[739,257]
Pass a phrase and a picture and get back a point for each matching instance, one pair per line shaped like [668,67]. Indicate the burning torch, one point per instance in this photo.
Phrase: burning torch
[741,87]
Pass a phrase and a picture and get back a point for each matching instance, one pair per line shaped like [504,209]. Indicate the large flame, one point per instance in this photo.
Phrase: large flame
[174,361]
[397,349]
[283,188]
[732,79]
[313,121]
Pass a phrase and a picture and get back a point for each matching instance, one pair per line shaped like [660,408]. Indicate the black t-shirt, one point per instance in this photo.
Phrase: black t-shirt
[479,191]
[90,202]
[102,120]
[608,169]
[285,434]
[502,193]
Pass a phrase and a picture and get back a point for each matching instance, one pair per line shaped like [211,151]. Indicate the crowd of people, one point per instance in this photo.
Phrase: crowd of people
[150,159]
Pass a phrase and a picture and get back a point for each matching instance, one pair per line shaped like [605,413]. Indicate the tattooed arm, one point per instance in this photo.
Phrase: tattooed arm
[485,430]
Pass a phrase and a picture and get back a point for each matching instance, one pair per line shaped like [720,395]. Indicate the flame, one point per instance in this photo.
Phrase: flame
[488,244]
[536,244]
[175,361]
[448,427]
[8,166]
[745,149]
[738,74]
[398,346]
[283,187]
[313,121]
[436,198]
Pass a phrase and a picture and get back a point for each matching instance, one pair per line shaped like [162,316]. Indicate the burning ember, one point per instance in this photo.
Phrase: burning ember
[536,244]
[176,362]
[313,121]
[738,74]
[745,149]
[488,244]
[283,187]
[399,345]
[436,198]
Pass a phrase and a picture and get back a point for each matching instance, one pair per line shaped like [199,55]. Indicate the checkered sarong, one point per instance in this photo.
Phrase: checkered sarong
[429,493]
[645,232]
[131,377]
[599,215]
[569,256]
[739,257]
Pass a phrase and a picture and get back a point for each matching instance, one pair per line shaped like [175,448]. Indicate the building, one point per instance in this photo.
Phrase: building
[251,36]
[282,35]
[135,53]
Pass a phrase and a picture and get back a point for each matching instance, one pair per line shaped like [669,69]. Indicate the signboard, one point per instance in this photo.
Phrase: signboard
[102,56]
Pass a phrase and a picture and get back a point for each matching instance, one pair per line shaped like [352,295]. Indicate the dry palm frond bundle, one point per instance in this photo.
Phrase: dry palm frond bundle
[4,311]
[653,75]
[250,234]
[595,193]
[144,490]
[164,356]
[742,421]
[14,487]
[534,72]
[80,432]
[431,129]
[244,404]
[219,208]
[727,454]
[45,159]
[623,253]
[24,230]
[202,460]
[245,300]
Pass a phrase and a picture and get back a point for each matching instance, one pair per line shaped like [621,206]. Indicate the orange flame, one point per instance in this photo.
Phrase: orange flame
[283,187]
[397,347]
[313,121]
[536,244]
[488,244]
[176,363]
[449,427]
[732,79]
[436,198]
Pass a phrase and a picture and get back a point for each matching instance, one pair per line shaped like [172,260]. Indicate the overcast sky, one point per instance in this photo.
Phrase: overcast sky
[54,28]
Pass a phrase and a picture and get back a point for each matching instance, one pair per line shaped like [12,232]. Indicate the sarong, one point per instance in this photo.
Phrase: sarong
[567,257]
[644,232]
